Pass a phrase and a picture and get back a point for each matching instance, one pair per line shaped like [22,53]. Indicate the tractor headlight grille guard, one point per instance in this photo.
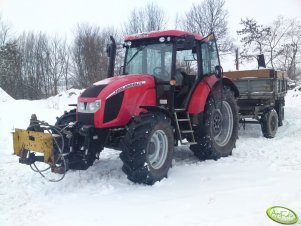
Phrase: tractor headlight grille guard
[88,107]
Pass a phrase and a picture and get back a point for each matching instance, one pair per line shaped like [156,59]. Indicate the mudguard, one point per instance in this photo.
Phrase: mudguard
[202,90]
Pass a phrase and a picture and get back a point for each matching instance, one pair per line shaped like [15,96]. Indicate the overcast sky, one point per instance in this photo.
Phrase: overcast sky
[61,16]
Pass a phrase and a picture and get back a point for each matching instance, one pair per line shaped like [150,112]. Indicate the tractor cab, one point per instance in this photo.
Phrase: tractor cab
[177,60]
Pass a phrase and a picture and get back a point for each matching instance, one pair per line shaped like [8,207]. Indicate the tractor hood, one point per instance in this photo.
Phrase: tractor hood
[114,101]
[109,87]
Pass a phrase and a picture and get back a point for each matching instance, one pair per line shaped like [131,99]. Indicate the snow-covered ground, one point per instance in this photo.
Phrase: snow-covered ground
[231,191]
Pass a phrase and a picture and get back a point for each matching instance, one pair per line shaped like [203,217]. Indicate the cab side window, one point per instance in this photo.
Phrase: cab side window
[187,61]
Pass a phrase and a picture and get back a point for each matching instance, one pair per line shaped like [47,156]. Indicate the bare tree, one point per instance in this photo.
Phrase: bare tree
[43,64]
[57,63]
[207,17]
[149,18]
[290,56]
[280,43]
[4,31]
[254,38]
[33,48]
[89,55]
[279,32]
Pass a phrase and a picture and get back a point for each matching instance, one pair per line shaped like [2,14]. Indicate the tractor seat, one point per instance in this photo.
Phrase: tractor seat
[186,85]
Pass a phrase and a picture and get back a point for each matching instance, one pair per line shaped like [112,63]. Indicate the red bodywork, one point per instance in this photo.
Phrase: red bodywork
[200,94]
[143,94]
[157,34]
[139,90]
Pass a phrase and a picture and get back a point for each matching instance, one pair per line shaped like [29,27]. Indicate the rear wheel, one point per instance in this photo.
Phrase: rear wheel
[269,123]
[147,148]
[217,131]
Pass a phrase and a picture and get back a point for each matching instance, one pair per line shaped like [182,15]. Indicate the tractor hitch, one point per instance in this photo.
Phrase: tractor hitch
[30,159]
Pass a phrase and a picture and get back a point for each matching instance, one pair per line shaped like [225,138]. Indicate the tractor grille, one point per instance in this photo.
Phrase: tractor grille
[86,118]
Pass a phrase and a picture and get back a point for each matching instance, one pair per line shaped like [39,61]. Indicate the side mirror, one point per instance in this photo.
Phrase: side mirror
[218,71]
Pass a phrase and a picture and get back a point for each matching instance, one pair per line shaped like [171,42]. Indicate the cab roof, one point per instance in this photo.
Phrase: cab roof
[158,34]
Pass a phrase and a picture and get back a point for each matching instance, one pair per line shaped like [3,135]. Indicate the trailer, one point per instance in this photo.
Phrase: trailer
[261,99]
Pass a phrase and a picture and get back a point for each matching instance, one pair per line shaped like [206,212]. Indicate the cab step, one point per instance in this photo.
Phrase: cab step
[184,127]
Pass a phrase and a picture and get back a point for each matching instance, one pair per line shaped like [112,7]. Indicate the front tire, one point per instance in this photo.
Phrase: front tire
[66,118]
[217,131]
[147,148]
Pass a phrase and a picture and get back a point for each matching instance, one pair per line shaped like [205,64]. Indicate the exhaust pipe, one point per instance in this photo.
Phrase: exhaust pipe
[111,51]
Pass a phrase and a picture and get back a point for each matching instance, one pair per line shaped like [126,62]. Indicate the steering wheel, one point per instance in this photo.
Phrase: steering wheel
[161,73]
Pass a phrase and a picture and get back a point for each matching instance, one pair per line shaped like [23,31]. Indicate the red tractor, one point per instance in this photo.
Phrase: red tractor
[171,91]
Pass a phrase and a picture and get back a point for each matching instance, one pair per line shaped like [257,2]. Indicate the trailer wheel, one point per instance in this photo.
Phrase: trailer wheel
[217,131]
[269,123]
[147,148]
[280,112]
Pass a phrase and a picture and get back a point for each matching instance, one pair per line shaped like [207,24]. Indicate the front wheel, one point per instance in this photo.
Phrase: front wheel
[217,131]
[66,118]
[147,148]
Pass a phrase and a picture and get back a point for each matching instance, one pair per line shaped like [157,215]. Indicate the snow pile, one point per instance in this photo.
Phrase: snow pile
[293,99]
[296,92]
[59,101]
[4,96]
[232,191]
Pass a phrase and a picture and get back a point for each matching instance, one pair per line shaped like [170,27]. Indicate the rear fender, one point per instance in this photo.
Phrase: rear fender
[228,82]
[202,91]
[199,97]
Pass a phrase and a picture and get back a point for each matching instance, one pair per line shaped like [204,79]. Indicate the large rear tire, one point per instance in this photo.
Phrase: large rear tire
[217,131]
[147,148]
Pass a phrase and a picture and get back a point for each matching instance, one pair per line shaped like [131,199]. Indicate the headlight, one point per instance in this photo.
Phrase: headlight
[80,107]
[88,107]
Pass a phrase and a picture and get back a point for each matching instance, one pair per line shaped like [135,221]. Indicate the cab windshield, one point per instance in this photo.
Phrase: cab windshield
[155,59]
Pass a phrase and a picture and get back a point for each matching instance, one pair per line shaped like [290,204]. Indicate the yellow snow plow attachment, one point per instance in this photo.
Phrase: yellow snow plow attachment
[41,147]
[32,141]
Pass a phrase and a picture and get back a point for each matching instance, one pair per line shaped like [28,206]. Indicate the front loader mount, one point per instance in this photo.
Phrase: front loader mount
[42,145]
[66,145]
